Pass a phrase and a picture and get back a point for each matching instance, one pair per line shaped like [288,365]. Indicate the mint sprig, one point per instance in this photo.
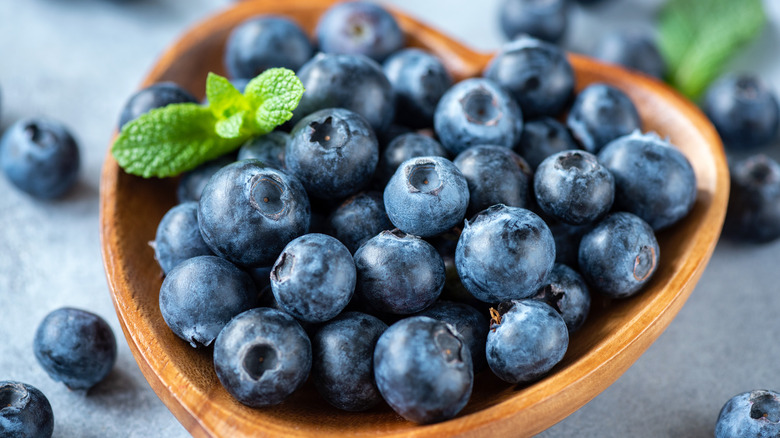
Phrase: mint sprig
[169,140]
[698,37]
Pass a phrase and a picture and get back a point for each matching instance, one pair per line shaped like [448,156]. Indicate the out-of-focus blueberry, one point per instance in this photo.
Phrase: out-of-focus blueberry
[634,50]
[358,219]
[262,356]
[426,196]
[477,111]
[264,42]
[359,28]
[178,237]
[404,147]
[25,411]
[40,157]
[546,19]
[390,134]
[423,369]
[542,138]
[619,255]
[154,96]
[75,347]
[192,183]
[536,73]
[566,291]
[471,325]
[567,241]
[754,414]
[200,295]
[600,114]
[653,179]
[267,148]
[419,80]
[754,202]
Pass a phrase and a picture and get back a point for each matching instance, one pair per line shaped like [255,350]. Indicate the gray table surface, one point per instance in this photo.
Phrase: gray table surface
[78,60]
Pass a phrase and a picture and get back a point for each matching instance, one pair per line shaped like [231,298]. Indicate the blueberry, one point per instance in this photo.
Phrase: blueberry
[343,366]
[390,134]
[419,80]
[404,147]
[495,175]
[40,157]
[262,356]
[263,42]
[477,111]
[192,183]
[504,253]
[346,81]
[543,19]
[754,202]
[314,278]
[566,291]
[75,347]
[744,111]
[573,187]
[398,273]
[526,339]
[754,414]
[567,241]
[600,114]
[543,137]
[619,255]
[359,28]
[471,325]
[653,179]
[358,219]
[248,212]
[334,153]
[423,369]
[154,96]
[426,196]
[178,237]
[267,148]
[262,278]
[536,73]
[25,411]
[634,50]
[200,295]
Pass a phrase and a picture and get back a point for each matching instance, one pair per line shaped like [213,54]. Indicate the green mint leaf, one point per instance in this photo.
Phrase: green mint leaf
[224,99]
[231,127]
[273,96]
[170,140]
[698,37]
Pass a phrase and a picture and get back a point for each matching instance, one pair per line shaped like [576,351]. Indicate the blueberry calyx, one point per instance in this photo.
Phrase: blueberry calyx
[764,405]
[497,313]
[449,344]
[553,295]
[480,107]
[268,197]
[283,268]
[259,359]
[644,264]
[13,396]
[36,135]
[328,134]
[424,178]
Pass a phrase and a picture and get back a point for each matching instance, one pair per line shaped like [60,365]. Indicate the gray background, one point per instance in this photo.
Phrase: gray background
[78,60]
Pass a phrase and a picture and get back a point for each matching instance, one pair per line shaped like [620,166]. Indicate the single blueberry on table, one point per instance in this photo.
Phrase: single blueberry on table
[634,50]
[754,414]
[154,96]
[536,74]
[543,19]
[426,196]
[423,369]
[526,339]
[566,291]
[248,212]
[358,219]
[192,183]
[495,175]
[504,253]
[573,187]
[334,153]
[343,365]
[600,114]
[346,81]
[754,202]
[543,137]
[744,111]
[268,148]
[25,412]
[619,255]
[314,278]
[262,356]
[653,179]
[40,157]
[398,273]
[471,325]
[200,295]
[264,42]
[477,111]
[178,237]
[404,147]
[359,28]
[75,347]
[419,80]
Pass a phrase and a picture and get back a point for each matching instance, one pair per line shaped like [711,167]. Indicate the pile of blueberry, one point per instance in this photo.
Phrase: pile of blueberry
[402,232]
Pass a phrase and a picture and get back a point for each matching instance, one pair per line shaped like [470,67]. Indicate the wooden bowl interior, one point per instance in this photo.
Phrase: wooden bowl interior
[614,336]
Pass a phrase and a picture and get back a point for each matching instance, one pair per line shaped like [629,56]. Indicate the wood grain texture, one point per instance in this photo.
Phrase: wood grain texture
[615,335]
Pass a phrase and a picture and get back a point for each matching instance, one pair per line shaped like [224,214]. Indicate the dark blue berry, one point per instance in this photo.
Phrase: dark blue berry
[178,237]
[634,50]
[75,347]
[359,28]
[754,202]
[471,325]
[600,114]
[267,148]
[192,183]
[154,96]
[754,414]
[404,147]
[25,411]
[358,219]
[543,137]
[567,241]
[543,19]
[566,291]
[419,80]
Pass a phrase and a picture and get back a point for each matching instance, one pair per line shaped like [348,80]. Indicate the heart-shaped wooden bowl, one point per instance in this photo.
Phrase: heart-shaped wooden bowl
[615,335]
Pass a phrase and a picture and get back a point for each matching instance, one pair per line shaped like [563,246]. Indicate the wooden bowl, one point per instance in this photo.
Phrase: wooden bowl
[614,336]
